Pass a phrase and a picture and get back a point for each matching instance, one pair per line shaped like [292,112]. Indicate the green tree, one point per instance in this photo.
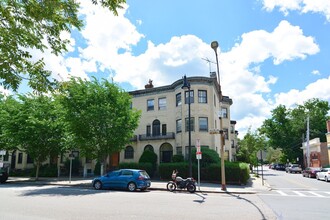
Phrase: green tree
[274,155]
[99,115]
[286,129]
[249,146]
[34,127]
[26,25]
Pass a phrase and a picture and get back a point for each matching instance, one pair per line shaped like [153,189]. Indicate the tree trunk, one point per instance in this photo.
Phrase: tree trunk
[37,171]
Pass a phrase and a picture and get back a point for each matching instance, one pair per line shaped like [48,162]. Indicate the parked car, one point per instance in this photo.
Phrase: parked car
[3,175]
[324,174]
[310,172]
[293,168]
[130,179]
[280,166]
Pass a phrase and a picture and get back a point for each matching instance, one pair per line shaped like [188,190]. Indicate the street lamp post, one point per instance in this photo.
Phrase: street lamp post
[214,46]
[186,87]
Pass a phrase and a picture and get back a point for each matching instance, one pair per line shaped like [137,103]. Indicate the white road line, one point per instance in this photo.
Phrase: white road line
[316,194]
[282,193]
[299,193]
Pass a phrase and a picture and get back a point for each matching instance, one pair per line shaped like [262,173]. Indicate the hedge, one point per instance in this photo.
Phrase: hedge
[236,172]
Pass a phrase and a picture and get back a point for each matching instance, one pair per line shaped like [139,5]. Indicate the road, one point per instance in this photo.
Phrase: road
[54,202]
[296,197]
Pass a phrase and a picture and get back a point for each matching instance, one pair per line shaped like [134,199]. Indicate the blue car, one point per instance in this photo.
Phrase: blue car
[130,179]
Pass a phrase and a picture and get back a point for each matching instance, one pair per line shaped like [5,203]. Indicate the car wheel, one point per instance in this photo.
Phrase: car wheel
[309,176]
[131,187]
[326,179]
[97,185]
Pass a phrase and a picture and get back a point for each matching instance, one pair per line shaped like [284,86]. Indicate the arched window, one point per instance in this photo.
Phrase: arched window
[149,147]
[129,152]
[156,128]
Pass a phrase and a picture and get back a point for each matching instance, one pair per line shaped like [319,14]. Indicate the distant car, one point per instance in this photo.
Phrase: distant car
[130,179]
[324,174]
[293,168]
[3,175]
[280,167]
[310,172]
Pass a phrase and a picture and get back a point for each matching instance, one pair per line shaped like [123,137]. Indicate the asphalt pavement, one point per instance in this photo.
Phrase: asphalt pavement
[255,184]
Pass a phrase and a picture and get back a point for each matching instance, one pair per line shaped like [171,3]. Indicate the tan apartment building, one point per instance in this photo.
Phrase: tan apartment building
[164,126]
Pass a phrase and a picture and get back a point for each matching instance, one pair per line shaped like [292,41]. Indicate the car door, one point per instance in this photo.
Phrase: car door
[124,178]
[112,179]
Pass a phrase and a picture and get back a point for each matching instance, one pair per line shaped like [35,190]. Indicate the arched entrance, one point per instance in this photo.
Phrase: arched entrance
[149,147]
[166,153]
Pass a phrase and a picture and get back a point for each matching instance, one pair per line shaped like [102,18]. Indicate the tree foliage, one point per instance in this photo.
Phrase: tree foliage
[100,119]
[249,146]
[33,125]
[34,24]
[286,129]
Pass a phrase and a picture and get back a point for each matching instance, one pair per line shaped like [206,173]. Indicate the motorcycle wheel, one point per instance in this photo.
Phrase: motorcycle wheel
[171,186]
[191,188]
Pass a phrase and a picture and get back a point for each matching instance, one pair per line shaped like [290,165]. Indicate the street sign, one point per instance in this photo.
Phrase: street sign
[198,145]
[2,152]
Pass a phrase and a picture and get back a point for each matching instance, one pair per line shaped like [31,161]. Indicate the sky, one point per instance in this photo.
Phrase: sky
[271,52]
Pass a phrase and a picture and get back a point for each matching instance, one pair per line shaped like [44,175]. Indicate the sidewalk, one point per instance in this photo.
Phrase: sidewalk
[254,185]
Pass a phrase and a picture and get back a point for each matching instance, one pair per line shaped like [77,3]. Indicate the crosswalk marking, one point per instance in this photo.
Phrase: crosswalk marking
[316,194]
[319,194]
[282,193]
[299,193]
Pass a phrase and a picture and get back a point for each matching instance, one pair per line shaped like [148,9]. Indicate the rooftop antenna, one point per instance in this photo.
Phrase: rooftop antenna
[209,62]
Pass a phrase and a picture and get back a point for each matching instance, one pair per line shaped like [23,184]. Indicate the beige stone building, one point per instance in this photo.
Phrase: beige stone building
[164,121]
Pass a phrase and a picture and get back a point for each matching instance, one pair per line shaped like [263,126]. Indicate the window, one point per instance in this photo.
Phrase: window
[202,96]
[127,173]
[178,99]
[192,124]
[203,124]
[191,96]
[148,130]
[164,129]
[156,128]
[232,129]
[150,104]
[29,159]
[225,130]
[129,152]
[162,104]
[178,126]
[20,158]
[179,150]
[224,113]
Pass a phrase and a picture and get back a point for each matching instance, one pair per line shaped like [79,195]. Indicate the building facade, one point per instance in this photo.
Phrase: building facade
[164,126]
[319,152]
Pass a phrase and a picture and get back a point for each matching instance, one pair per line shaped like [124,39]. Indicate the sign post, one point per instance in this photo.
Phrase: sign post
[71,157]
[198,157]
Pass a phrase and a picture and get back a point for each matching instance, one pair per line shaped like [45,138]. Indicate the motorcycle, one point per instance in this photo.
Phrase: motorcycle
[180,183]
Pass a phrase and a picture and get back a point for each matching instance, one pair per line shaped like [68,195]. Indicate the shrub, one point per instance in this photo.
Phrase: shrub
[209,156]
[177,158]
[97,169]
[149,157]
[47,170]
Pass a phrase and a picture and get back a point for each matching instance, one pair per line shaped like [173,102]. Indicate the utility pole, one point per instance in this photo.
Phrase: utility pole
[307,143]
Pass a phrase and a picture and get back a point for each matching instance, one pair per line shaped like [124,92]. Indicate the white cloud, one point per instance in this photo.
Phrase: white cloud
[316,72]
[319,88]
[304,6]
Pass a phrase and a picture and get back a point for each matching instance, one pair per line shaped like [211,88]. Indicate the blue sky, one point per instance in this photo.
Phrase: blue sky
[271,52]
